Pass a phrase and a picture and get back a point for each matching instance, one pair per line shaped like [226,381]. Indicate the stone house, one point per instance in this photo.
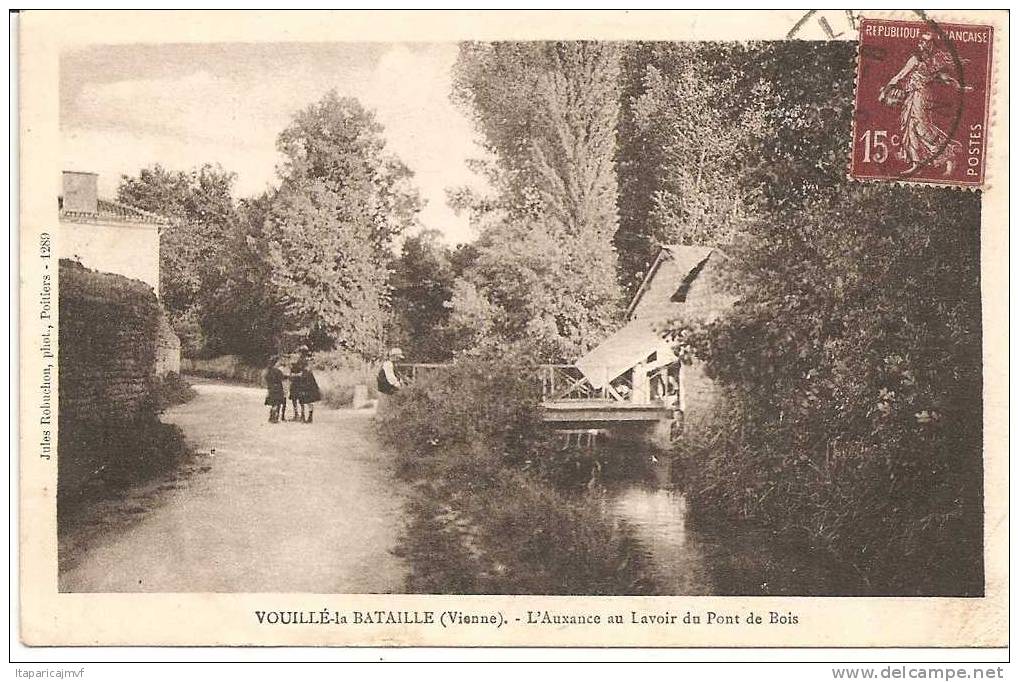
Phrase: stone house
[108,237]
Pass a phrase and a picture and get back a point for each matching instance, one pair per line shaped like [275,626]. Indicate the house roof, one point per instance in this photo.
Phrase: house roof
[112,211]
[675,262]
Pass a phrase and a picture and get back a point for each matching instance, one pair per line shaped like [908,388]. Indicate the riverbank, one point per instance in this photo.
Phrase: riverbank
[688,552]
[497,507]
[513,534]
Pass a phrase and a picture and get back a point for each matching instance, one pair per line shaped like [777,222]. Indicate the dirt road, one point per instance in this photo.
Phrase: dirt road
[264,507]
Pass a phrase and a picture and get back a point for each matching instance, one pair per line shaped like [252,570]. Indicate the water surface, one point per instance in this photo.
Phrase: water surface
[706,558]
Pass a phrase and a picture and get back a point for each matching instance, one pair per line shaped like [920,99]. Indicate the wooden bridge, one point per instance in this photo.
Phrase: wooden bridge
[569,398]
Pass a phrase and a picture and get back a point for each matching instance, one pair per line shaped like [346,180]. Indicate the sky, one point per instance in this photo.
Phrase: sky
[125,107]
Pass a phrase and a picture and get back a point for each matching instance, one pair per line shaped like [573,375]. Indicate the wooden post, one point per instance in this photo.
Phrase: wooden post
[604,379]
[640,384]
[682,391]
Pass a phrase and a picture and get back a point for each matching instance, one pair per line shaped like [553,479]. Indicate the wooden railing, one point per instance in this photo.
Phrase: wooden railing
[409,372]
[559,382]
[567,382]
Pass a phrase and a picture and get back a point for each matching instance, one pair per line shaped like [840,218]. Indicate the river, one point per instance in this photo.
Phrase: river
[688,558]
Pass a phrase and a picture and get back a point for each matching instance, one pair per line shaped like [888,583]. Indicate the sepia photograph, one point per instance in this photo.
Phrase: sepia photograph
[577,317]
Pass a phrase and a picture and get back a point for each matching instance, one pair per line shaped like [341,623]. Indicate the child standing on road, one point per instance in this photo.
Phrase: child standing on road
[310,393]
[275,397]
[296,381]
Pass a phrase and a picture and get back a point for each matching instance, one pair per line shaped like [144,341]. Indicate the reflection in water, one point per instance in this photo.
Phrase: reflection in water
[716,560]
[658,519]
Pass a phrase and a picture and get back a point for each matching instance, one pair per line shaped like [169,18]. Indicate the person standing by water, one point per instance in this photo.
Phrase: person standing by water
[275,397]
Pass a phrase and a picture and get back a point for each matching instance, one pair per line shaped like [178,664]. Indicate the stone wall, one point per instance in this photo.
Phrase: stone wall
[167,348]
[230,367]
[706,299]
[109,339]
[701,398]
[108,334]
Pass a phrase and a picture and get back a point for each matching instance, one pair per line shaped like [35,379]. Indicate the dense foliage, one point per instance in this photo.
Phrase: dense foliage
[547,114]
[852,356]
[691,113]
[342,201]
[487,517]
[194,247]
[307,262]
[423,280]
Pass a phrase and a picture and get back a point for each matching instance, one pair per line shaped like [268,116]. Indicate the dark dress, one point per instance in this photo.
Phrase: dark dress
[274,384]
[310,392]
[296,370]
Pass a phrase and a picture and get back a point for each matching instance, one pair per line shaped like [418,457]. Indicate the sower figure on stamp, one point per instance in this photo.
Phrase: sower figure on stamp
[912,88]
[275,397]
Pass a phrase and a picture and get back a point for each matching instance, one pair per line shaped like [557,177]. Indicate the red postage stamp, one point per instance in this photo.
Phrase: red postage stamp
[922,94]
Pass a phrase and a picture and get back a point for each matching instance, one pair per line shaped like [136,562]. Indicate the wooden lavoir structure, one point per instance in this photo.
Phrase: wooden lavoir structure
[580,413]
[568,396]
[633,381]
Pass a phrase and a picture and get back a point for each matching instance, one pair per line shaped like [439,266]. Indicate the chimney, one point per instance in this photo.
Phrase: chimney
[81,192]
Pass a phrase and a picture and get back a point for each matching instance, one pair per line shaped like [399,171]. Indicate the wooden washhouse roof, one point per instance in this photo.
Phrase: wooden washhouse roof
[674,268]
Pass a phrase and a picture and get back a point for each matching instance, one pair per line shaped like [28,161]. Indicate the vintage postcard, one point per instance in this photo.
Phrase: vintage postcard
[599,329]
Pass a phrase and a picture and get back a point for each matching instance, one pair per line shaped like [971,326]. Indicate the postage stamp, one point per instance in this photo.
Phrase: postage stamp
[922,93]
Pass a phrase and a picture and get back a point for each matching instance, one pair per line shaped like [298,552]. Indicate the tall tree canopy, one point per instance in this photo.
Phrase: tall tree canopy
[243,316]
[342,201]
[195,248]
[690,113]
[422,284]
[546,267]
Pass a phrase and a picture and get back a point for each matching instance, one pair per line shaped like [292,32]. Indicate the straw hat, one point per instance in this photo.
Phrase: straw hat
[396,354]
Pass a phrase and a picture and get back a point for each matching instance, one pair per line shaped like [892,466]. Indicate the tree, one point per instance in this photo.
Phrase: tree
[242,316]
[194,247]
[342,201]
[547,114]
[639,170]
[422,286]
[690,113]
